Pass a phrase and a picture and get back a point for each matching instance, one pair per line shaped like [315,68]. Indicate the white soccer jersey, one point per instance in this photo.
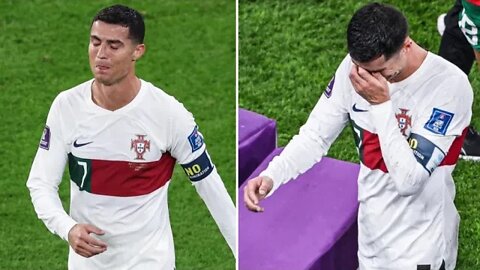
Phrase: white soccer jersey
[120,165]
[408,148]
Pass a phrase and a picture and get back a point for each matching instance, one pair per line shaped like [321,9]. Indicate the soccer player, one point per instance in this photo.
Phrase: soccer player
[459,29]
[121,137]
[409,110]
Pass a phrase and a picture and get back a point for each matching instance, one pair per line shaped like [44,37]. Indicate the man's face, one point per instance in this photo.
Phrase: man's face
[390,69]
[111,52]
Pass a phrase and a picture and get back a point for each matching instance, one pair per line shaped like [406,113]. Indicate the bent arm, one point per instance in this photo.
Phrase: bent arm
[439,123]
[408,175]
[45,176]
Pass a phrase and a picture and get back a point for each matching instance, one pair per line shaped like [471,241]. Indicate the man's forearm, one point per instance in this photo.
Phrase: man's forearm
[213,192]
[48,207]
[43,181]
[408,175]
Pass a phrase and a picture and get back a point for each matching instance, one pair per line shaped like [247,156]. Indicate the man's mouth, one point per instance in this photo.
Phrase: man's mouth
[391,77]
[102,67]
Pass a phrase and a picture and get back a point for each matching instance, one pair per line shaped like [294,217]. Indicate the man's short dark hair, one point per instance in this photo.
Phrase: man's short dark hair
[375,30]
[124,16]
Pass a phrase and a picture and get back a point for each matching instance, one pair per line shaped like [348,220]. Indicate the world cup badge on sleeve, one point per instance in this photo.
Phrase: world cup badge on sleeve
[45,141]
[195,139]
[329,89]
[439,121]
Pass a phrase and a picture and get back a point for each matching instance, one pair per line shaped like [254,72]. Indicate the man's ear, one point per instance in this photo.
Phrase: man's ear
[138,52]
[407,44]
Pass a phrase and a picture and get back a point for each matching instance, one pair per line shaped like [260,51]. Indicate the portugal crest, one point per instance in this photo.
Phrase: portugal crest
[404,121]
[140,146]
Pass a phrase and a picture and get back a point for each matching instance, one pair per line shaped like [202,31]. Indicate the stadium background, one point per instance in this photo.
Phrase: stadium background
[43,50]
[289,51]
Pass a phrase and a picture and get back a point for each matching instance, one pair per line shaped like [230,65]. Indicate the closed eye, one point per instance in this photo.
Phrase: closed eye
[95,41]
[114,44]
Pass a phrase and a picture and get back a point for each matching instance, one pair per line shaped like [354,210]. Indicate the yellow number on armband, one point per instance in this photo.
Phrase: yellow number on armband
[413,143]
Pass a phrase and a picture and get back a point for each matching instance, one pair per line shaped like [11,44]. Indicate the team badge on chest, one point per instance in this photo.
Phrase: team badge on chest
[140,145]
[404,121]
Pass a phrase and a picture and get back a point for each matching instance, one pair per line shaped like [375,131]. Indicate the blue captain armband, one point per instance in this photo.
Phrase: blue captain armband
[426,152]
[198,169]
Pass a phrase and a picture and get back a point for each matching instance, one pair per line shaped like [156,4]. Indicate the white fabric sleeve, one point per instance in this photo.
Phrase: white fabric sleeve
[408,174]
[190,151]
[323,126]
[46,174]
[215,195]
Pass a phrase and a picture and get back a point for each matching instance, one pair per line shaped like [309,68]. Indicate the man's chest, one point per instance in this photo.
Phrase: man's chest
[118,137]
[405,110]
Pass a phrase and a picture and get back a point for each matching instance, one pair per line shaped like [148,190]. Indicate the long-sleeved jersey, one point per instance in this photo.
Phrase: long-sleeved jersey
[408,148]
[120,165]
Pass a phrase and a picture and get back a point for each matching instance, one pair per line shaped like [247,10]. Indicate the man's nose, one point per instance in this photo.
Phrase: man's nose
[102,52]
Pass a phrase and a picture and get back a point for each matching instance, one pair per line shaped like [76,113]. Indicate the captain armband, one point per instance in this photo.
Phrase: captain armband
[198,169]
[426,152]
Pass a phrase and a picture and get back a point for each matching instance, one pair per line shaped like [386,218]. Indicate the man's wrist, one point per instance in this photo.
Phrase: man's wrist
[380,114]
[67,226]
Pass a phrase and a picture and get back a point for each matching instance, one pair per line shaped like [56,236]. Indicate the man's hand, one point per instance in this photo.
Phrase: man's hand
[373,87]
[256,190]
[85,245]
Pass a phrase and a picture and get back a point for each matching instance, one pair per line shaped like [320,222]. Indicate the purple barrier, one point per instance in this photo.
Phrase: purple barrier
[257,137]
[309,223]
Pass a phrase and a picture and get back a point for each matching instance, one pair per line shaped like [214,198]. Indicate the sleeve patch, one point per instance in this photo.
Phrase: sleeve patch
[439,121]
[329,89]
[45,141]
[426,153]
[198,169]
[195,139]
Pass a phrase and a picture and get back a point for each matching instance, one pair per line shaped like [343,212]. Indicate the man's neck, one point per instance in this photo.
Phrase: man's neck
[115,96]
